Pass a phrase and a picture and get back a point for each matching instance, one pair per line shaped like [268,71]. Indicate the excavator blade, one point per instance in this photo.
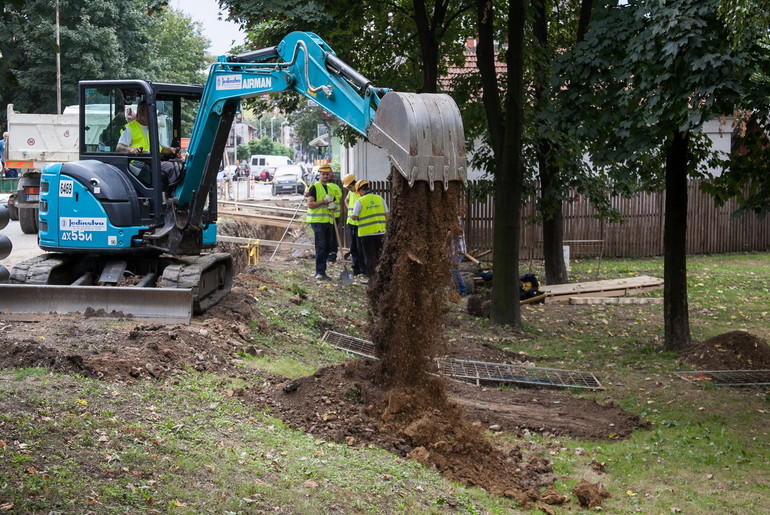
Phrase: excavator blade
[423,133]
[167,305]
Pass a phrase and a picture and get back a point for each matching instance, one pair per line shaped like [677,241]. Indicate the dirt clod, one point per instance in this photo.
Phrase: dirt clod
[590,495]
[734,350]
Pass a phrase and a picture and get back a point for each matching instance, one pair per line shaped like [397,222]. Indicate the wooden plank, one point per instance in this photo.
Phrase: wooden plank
[274,221]
[608,287]
[266,243]
[615,300]
[607,293]
[472,259]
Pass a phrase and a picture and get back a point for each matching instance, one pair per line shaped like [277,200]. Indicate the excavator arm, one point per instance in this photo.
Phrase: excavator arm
[422,133]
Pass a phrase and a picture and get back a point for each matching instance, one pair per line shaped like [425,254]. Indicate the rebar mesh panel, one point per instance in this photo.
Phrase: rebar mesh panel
[476,371]
[349,344]
[728,377]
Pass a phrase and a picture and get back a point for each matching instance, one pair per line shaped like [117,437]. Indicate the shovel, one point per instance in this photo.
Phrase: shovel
[346,276]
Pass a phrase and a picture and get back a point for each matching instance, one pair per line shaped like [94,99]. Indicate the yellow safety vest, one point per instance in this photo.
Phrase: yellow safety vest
[336,194]
[137,136]
[352,197]
[371,219]
[319,215]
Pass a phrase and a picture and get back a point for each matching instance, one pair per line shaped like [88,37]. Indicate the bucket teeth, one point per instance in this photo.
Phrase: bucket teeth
[423,134]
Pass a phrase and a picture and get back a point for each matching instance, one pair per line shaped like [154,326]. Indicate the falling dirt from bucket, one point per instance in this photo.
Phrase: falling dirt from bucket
[408,297]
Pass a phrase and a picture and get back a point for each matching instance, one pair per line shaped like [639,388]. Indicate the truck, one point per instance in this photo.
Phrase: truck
[121,235]
[263,167]
[35,140]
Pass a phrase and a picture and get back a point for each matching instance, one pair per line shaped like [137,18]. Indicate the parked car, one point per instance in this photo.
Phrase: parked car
[266,174]
[288,179]
[9,204]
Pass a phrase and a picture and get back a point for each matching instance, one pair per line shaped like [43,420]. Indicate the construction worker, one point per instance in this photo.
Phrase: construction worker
[356,253]
[320,216]
[336,194]
[370,211]
[135,139]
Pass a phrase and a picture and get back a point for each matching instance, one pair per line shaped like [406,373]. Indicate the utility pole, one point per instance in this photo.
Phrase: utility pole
[58,63]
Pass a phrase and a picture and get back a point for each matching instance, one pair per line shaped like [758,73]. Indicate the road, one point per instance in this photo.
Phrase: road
[24,245]
[251,190]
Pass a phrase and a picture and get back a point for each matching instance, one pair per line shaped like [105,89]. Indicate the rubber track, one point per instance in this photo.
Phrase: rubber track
[188,271]
[36,270]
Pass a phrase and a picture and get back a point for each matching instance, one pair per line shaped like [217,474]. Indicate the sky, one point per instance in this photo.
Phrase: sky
[220,32]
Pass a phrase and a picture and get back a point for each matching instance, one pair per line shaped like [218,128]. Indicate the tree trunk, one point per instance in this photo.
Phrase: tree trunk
[428,28]
[675,311]
[551,211]
[553,223]
[505,307]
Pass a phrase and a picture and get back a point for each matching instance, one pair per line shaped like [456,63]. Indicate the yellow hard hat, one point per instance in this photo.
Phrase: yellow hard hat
[360,184]
[325,169]
[348,180]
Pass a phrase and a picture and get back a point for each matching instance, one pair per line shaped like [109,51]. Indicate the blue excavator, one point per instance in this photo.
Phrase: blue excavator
[132,232]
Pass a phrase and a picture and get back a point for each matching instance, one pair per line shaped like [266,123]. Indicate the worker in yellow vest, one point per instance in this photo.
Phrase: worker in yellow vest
[135,139]
[320,216]
[370,211]
[356,253]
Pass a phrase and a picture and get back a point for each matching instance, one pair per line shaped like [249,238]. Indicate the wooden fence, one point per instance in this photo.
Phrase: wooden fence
[710,229]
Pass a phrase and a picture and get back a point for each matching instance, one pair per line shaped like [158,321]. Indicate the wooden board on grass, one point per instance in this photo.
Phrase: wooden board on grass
[605,288]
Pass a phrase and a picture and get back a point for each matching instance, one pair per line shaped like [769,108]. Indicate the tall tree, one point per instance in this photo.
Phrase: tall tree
[638,89]
[506,126]
[556,25]
[99,40]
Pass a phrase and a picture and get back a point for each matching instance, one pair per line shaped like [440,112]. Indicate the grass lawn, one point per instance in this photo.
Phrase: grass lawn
[71,444]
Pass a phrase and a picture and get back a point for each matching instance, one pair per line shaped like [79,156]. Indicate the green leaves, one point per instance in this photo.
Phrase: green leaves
[99,40]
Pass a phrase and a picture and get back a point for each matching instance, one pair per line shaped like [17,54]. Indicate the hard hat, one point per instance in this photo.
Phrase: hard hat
[360,184]
[348,180]
[325,169]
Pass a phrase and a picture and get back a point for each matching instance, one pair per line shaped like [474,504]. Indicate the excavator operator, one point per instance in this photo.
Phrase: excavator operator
[135,139]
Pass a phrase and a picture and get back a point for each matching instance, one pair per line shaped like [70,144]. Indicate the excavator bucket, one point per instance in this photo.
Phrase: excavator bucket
[423,133]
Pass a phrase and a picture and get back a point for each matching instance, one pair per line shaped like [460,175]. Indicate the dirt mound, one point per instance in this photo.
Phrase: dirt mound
[133,349]
[338,402]
[734,350]
[346,403]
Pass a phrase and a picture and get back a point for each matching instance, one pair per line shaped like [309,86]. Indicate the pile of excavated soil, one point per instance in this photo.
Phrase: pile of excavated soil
[734,350]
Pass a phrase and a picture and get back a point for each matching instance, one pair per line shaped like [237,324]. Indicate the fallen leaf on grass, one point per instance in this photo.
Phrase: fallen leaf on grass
[310,484]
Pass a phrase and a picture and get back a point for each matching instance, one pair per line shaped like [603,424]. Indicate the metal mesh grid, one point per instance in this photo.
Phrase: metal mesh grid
[477,371]
[350,344]
[728,377]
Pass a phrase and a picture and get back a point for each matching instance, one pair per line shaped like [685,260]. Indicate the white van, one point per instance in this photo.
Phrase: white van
[263,167]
